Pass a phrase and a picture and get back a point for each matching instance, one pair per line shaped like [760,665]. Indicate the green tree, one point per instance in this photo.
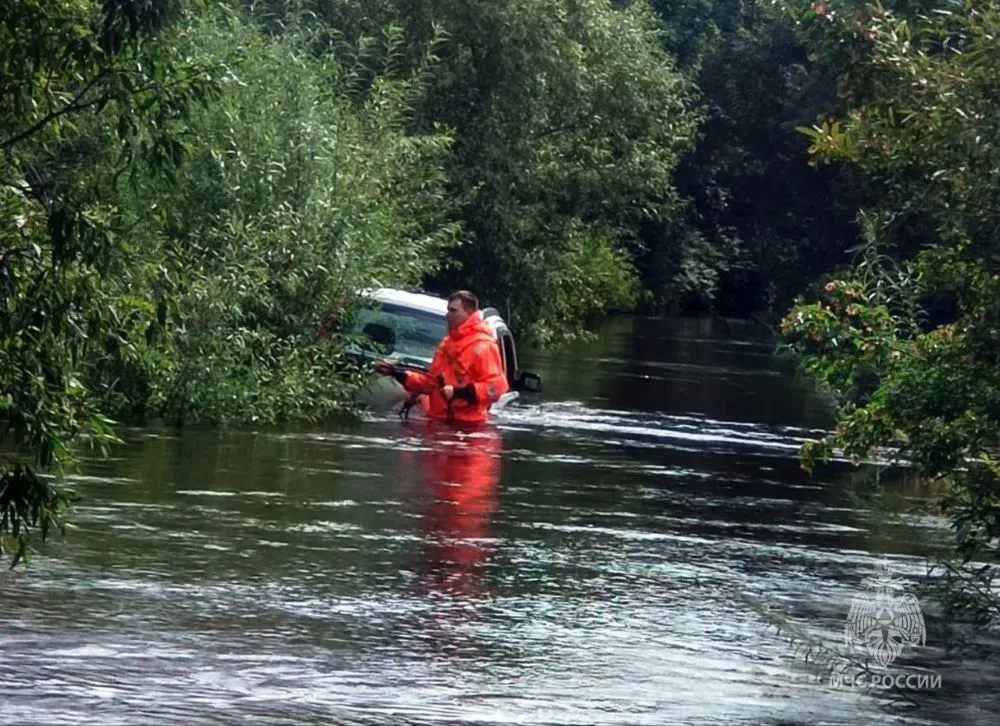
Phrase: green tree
[924,123]
[568,121]
[88,87]
[758,218]
[184,200]
[297,194]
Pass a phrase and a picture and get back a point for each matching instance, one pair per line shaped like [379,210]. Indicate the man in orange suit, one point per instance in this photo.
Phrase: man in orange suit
[466,374]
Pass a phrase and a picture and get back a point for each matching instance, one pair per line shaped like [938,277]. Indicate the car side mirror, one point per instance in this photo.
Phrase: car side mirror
[528,382]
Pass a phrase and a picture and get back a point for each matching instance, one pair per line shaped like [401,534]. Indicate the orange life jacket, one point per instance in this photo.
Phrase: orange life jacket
[467,354]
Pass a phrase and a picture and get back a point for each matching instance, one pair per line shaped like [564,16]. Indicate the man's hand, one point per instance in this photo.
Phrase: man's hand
[386,368]
[448,392]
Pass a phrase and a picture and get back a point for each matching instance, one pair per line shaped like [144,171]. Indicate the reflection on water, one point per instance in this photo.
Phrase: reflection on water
[458,476]
[590,559]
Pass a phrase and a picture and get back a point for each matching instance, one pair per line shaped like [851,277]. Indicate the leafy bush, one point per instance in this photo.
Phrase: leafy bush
[183,201]
[88,88]
[294,197]
[925,124]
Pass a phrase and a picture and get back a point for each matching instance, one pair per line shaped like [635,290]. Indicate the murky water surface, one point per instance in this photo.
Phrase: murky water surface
[604,556]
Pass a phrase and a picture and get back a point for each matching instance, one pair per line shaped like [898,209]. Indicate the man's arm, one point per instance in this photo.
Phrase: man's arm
[417,382]
[412,381]
[488,379]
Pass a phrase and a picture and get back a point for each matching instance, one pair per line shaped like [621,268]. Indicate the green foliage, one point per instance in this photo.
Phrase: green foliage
[591,275]
[925,125]
[29,504]
[692,28]
[88,87]
[758,219]
[183,200]
[295,196]
[924,121]
[569,119]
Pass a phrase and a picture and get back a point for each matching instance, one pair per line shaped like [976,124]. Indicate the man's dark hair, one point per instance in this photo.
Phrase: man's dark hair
[469,301]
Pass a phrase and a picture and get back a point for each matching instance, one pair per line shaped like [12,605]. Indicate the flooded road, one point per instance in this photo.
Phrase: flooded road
[603,556]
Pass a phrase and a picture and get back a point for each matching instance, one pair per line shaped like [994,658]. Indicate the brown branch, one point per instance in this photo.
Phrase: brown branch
[74,105]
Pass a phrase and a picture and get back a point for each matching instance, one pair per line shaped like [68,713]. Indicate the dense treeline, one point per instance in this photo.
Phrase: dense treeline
[760,220]
[188,190]
[569,119]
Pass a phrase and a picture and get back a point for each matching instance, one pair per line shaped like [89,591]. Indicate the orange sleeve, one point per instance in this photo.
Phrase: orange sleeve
[420,382]
[417,382]
[489,379]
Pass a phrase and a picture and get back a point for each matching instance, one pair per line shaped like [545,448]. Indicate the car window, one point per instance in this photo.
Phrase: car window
[405,333]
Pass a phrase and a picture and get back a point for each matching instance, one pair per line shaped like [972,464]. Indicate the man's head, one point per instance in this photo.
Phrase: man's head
[461,305]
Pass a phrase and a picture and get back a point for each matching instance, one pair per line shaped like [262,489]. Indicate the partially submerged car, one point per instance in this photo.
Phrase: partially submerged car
[405,327]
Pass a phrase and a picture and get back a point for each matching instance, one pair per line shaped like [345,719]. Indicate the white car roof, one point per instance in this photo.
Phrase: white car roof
[423,302]
[419,301]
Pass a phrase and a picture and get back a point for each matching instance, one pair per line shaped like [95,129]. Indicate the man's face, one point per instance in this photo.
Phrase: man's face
[457,314]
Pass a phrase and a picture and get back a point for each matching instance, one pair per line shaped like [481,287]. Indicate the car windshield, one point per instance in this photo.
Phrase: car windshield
[407,334]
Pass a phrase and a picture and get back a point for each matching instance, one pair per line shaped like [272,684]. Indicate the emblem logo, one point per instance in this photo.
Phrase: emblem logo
[884,618]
